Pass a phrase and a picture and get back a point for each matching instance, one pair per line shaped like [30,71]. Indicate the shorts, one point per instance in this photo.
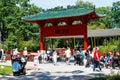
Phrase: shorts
[68,58]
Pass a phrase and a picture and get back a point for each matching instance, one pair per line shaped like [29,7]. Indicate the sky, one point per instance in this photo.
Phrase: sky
[47,4]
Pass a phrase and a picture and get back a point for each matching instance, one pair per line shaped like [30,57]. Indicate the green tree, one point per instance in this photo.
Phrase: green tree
[112,44]
[106,19]
[11,24]
[81,3]
[116,13]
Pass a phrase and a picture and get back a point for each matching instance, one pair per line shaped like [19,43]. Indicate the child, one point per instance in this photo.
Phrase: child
[4,58]
[36,62]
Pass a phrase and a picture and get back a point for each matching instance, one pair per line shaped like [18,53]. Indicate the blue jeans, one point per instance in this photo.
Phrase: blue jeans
[96,64]
[88,60]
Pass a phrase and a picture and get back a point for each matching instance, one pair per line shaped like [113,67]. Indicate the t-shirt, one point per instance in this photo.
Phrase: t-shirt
[68,53]
[15,52]
[82,53]
[96,55]
[25,52]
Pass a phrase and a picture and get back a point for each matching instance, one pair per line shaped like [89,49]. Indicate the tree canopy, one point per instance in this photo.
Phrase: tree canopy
[17,33]
[116,13]
[11,24]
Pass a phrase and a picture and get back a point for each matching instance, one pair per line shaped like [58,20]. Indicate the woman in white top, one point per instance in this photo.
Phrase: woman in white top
[15,53]
[68,55]
[55,57]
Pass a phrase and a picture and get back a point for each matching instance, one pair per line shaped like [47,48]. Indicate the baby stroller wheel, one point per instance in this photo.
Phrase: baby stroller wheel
[24,71]
[16,74]
[13,74]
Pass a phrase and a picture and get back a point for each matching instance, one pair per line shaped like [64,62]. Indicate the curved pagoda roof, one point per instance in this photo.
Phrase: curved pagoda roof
[65,13]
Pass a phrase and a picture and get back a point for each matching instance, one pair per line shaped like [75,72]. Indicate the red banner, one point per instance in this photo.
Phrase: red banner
[69,30]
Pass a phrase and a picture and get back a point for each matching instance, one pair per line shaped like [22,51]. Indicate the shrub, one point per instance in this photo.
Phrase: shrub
[5,70]
[110,45]
[109,77]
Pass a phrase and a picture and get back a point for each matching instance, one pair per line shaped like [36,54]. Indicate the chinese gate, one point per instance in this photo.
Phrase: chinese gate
[68,16]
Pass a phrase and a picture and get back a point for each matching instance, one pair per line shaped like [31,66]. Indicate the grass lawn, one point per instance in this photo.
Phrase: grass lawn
[109,77]
[5,70]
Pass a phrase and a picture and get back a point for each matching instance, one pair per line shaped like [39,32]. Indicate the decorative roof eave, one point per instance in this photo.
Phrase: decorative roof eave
[94,16]
[60,18]
[58,14]
[61,15]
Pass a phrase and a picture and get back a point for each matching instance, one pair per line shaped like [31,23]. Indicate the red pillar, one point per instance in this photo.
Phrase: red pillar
[85,38]
[41,40]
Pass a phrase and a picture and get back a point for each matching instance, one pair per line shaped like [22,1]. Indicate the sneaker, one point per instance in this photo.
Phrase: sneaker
[93,69]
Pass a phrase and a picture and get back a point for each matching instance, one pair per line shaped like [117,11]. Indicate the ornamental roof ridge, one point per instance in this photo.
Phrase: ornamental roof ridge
[61,8]
[62,12]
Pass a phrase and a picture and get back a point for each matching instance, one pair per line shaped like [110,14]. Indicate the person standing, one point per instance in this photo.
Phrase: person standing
[16,53]
[0,54]
[68,55]
[55,57]
[96,59]
[36,62]
[40,59]
[49,53]
[78,56]
[25,53]
[87,55]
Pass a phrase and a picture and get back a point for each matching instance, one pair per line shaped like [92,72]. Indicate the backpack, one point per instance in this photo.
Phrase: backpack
[16,66]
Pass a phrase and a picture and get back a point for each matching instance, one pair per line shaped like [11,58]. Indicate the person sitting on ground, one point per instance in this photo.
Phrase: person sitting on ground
[108,60]
[115,60]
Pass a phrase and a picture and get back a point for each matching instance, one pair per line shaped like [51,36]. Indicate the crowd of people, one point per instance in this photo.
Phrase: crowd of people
[89,57]
[19,62]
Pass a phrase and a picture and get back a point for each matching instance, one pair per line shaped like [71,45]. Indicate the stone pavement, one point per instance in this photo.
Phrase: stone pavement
[61,71]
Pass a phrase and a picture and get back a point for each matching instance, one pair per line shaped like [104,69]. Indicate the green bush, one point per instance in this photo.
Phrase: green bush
[5,70]
[110,45]
[109,77]
[109,48]
[3,47]
[31,45]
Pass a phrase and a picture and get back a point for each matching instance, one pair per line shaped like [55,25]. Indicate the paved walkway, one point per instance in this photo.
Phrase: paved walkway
[61,71]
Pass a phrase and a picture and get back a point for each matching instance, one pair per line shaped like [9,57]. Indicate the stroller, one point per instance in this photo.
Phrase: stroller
[78,58]
[18,66]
